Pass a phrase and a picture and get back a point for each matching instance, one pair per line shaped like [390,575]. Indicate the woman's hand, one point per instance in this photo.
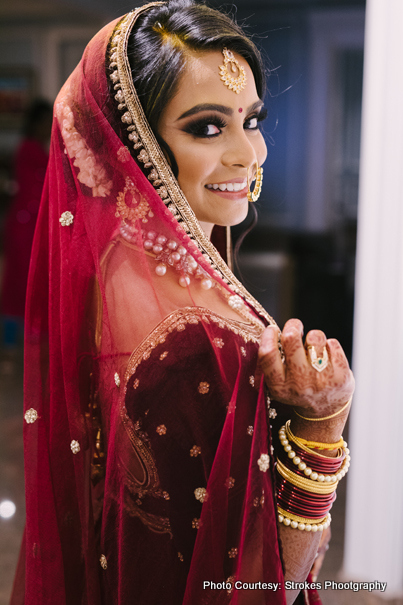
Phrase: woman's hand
[295,381]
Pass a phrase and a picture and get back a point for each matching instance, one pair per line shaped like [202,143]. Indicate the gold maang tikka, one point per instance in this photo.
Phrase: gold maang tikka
[233,82]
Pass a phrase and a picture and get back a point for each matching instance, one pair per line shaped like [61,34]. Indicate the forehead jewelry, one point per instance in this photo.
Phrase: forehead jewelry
[231,73]
[318,363]
[253,196]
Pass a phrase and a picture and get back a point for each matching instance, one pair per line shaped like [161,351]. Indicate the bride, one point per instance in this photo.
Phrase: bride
[155,470]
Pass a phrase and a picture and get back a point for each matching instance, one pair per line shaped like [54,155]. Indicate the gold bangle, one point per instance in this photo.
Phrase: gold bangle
[299,519]
[318,445]
[303,447]
[322,489]
[325,417]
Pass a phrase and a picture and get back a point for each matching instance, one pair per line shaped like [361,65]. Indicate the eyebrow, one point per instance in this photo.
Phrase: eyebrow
[214,107]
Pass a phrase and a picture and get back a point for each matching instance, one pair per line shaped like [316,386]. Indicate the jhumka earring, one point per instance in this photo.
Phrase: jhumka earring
[253,196]
[233,82]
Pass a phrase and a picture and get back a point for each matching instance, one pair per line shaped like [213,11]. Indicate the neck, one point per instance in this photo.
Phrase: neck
[207,228]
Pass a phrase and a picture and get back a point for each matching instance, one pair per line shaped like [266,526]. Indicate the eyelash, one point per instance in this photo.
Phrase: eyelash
[197,127]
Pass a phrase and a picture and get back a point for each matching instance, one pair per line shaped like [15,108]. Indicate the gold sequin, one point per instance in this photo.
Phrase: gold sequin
[195,451]
[232,553]
[180,556]
[161,429]
[136,383]
[252,381]
[218,342]
[243,351]
[117,379]
[30,416]
[264,462]
[75,446]
[204,388]
[249,430]
[196,523]
[103,561]
[230,482]
[163,355]
[201,494]
[66,219]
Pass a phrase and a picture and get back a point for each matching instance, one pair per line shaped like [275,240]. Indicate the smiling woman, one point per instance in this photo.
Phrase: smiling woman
[150,468]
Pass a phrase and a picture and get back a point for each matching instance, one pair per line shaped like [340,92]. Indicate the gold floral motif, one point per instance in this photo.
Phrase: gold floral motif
[139,211]
[135,115]
[243,351]
[161,429]
[272,413]
[136,383]
[75,446]
[219,343]
[195,451]
[233,553]
[230,580]
[103,561]
[31,416]
[252,381]
[203,388]
[249,430]
[117,379]
[264,462]
[230,482]
[196,523]
[66,219]
[180,556]
[201,494]
[163,355]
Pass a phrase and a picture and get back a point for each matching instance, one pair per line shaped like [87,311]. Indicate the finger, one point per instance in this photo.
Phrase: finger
[291,339]
[316,338]
[336,354]
[269,356]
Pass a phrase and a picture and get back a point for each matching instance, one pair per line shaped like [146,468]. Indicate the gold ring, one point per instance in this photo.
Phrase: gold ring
[318,363]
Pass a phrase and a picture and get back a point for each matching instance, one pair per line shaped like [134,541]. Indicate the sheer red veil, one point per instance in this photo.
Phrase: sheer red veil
[149,468]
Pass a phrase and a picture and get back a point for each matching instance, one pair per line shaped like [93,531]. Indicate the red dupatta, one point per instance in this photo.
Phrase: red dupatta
[149,469]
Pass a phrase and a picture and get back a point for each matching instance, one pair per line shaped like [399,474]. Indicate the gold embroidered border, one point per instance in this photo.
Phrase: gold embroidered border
[177,320]
[152,156]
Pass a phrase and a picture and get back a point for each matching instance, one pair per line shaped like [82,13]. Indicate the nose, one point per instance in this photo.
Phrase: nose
[242,152]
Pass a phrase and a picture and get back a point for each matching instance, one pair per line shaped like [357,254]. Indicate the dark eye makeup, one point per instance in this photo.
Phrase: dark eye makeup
[201,127]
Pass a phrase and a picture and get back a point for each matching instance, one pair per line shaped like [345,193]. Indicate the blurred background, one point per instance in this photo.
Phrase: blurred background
[300,258]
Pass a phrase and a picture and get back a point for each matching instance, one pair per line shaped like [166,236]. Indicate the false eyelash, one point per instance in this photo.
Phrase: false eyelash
[196,128]
[262,115]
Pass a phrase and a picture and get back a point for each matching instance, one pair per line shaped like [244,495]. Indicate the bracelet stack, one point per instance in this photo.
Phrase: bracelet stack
[307,480]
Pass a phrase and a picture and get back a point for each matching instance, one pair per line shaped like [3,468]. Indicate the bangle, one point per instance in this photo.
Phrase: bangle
[325,417]
[297,441]
[318,445]
[306,484]
[294,524]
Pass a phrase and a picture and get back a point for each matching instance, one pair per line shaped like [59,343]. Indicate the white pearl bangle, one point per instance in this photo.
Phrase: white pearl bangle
[310,527]
[308,472]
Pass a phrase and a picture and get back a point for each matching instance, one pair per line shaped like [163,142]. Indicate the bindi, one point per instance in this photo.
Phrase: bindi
[240,110]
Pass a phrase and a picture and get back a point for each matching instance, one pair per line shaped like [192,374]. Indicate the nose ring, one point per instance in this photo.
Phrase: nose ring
[253,196]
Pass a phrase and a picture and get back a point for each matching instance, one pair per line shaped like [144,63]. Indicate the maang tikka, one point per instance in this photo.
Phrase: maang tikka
[233,82]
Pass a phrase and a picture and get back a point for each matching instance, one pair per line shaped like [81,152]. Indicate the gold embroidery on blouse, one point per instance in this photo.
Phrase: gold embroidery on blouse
[141,135]
[103,561]
[136,383]
[219,343]
[249,430]
[176,321]
[163,355]
[161,429]
[201,494]
[195,451]
[232,553]
[230,482]
[203,388]
[252,381]
[196,523]
[180,556]
[243,351]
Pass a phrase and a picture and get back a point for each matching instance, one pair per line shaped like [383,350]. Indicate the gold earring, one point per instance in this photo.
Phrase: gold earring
[253,196]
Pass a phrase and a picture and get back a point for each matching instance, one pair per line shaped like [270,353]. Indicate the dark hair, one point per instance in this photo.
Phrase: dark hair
[160,41]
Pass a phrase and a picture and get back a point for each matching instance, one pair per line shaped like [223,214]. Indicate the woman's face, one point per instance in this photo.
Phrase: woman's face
[214,135]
